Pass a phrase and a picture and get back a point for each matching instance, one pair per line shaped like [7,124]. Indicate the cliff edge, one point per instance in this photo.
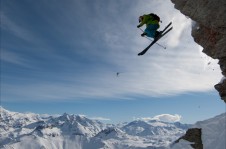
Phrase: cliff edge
[209,31]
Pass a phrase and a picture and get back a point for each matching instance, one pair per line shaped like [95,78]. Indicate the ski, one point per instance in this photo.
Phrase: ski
[166,27]
[162,33]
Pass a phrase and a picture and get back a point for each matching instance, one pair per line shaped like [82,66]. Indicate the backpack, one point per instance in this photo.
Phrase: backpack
[155,17]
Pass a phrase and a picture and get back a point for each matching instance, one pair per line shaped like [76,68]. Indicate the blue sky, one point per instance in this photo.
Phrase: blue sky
[63,56]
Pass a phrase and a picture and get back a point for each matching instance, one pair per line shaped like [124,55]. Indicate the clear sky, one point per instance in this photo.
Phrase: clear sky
[63,56]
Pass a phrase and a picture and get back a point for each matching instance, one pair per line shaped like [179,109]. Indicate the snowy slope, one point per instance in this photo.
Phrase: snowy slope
[213,132]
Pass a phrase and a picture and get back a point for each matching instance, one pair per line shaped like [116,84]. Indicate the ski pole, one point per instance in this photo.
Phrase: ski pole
[152,40]
[157,43]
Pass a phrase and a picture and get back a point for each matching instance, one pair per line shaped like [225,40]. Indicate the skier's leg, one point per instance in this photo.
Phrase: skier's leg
[151,29]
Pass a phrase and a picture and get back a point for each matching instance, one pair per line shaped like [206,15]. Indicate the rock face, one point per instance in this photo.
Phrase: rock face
[193,135]
[209,30]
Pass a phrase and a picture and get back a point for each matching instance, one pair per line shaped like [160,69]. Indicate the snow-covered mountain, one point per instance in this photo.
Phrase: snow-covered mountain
[13,120]
[73,131]
[33,131]
[154,128]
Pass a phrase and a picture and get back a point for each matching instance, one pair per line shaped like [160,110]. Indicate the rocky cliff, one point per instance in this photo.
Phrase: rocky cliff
[193,135]
[209,30]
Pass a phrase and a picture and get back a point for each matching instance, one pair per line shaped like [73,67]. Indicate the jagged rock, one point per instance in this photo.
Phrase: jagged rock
[193,135]
[222,63]
[221,88]
[209,31]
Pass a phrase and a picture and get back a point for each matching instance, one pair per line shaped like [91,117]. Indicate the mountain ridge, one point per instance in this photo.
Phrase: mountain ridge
[81,132]
[67,131]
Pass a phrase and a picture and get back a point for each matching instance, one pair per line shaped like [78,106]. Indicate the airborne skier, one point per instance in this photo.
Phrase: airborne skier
[152,24]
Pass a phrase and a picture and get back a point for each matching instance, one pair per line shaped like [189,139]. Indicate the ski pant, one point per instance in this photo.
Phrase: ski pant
[151,29]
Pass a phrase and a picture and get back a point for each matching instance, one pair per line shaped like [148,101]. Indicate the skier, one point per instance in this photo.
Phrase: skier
[152,24]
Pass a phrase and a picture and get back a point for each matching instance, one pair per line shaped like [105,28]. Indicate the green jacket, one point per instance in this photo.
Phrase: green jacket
[147,19]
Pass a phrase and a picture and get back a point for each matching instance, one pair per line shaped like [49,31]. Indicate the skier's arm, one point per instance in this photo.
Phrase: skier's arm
[143,21]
